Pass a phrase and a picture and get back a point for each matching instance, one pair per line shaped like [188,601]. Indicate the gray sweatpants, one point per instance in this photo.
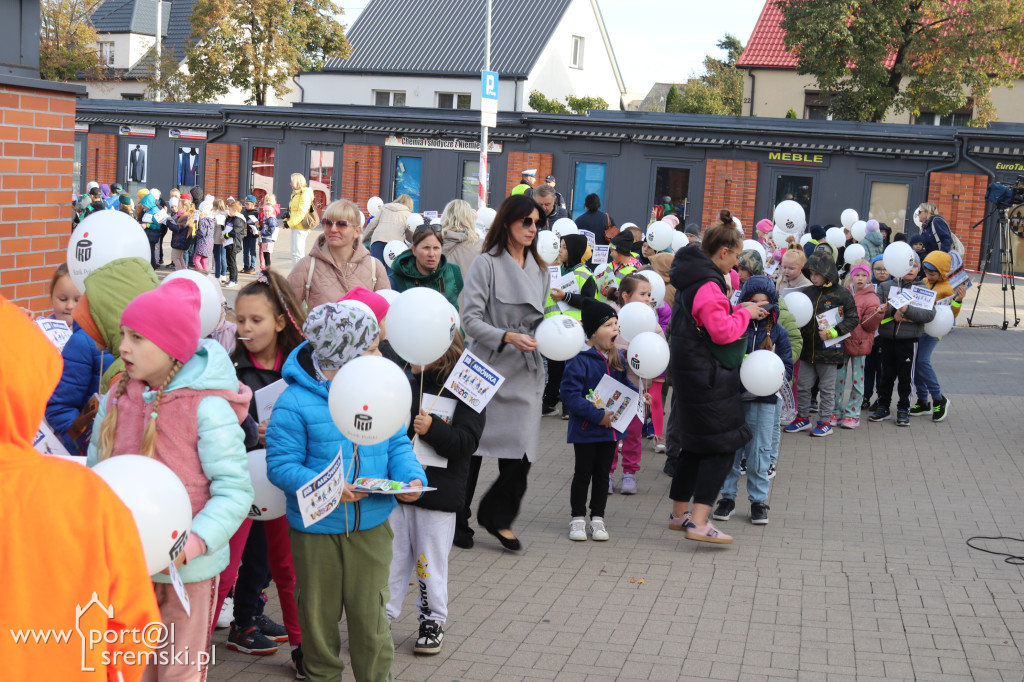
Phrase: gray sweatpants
[825,375]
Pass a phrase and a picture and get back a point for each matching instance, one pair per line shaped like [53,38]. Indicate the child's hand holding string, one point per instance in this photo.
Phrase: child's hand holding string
[421,424]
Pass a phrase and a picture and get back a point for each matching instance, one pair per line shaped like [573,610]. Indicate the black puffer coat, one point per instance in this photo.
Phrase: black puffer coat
[708,395]
[827,296]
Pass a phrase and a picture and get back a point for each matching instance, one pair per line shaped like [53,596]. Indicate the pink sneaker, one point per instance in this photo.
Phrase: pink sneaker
[850,423]
[708,533]
[834,420]
[680,522]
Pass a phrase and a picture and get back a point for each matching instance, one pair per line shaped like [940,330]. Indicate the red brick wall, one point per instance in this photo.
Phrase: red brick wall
[36,161]
[733,185]
[101,158]
[961,201]
[221,179]
[520,161]
[360,173]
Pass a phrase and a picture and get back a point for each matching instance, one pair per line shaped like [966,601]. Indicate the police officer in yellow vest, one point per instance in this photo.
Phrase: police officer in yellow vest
[572,254]
[525,185]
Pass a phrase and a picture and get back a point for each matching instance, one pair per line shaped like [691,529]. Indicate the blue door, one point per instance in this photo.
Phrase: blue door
[407,179]
[589,180]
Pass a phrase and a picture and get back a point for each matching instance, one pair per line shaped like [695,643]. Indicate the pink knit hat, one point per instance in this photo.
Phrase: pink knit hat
[375,302]
[861,267]
[672,219]
[168,316]
[765,225]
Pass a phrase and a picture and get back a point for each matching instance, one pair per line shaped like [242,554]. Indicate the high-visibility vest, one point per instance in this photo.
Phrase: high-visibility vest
[581,274]
[520,188]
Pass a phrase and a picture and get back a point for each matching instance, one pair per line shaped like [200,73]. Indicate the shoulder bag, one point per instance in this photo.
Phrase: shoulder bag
[729,355]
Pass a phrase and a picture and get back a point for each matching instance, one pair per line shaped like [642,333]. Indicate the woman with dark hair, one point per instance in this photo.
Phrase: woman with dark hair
[708,344]
[595,220]
[425,266]
[503,304]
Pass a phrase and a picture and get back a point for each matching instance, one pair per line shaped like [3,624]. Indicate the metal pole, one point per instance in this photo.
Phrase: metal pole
[159,26]
[483,129]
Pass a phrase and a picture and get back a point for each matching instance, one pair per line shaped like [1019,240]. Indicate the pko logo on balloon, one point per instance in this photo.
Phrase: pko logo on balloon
[83,249]
[363,422]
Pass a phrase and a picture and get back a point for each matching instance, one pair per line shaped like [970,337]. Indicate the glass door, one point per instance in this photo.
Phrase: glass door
[321,177]
[589,179]
[261,175]
[798,188]
[671,192]
[408,179]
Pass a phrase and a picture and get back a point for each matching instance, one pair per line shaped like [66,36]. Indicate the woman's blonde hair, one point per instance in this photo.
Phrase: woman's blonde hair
[405,200]
[109,425]
[458,217]
[219,205]
[298,181]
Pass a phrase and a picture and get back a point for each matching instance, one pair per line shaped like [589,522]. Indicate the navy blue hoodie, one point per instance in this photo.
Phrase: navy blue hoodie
[583,373]
[759,329]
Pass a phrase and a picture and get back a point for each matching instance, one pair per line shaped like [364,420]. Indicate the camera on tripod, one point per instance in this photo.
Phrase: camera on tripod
[1006,196]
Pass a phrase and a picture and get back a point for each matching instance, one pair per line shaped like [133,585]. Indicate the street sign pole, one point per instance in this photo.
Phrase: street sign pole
[488,109]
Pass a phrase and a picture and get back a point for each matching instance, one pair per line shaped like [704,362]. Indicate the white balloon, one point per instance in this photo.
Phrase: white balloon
[752,245]
[209,299]
[413,221]
[627,225]
[805,238]
[854,253]
[393,249]
[739,225]
[635,318]
[548,244]
[835,236]
[560,338]
[789,217]
[659,236]
[564,226]
[779,237]
[917,220]
[800,305]
[679,240]
[657,286]
[942,323]
[859,229]
[848,218]
[158,501]
[389,295]
[370,399]
[421,325]
[763,373]
[373,206]
[269,502]
[484,218]
[102,237]
[898,258]
[359,305]
[648,355]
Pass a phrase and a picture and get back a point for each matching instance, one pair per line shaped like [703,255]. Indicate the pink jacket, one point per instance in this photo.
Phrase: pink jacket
[711,310]
[863,335]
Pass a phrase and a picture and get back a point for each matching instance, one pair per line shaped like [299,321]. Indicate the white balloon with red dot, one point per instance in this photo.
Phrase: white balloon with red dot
[269,501]
[789,217]
[158,502]
[209,299]
[547,245]
[421,325]
[635,318]
[393,249]
[898,258]
[659,235]
[564,226]
[560,338]
[102,237]
[762,373]
[657,286]
[374,205]
[800,305]
[369,399]
[648,355]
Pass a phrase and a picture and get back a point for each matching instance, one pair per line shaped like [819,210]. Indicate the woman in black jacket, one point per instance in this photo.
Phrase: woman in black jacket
[594,219]
[424,529]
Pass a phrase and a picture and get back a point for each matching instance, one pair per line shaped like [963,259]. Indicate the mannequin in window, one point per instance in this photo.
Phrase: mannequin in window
[137,164]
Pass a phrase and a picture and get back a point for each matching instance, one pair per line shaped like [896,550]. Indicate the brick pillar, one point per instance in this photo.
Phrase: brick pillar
[36,161]
[730,184]
[101,158]
[221,179]
[517,163]
[961,201]
[360,173]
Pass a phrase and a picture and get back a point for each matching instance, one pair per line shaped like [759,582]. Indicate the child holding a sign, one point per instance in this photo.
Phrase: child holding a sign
[446,432]
[857,347]
[590,427]
[936,271]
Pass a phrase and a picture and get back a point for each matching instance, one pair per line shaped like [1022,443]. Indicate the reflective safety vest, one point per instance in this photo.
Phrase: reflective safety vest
[581,274]
[520,188]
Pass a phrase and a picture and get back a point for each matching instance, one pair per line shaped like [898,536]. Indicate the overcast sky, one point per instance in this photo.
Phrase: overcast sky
[660,40]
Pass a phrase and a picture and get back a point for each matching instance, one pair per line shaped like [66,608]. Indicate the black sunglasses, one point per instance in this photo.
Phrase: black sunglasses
[436,229]
[529,222]
[328,224]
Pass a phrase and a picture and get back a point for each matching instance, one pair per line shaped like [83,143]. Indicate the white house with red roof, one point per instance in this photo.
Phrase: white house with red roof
[772,86]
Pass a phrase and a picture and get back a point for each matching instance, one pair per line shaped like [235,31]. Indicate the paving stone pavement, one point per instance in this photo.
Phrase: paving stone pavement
[862,574]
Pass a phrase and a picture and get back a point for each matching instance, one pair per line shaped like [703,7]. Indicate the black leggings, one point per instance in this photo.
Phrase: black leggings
[897,356]
[700,475]
[593,464]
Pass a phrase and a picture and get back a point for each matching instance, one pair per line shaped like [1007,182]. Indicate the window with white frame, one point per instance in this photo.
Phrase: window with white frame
[389,98]
[576,61]
[106,51]
[454,100]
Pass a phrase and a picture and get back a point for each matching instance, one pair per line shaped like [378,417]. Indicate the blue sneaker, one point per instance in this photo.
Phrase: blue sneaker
[822,429]
[798,424]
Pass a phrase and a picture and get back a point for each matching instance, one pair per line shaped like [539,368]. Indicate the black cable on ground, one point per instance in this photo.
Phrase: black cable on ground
[1012,559]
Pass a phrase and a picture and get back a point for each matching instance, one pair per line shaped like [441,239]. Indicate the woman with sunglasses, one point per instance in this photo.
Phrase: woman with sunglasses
[338,262]
[503,304]
[425,266]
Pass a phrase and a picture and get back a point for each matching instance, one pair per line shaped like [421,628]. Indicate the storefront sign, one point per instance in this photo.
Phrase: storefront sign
[138,131]
[431,143]
[798,158]
[182,134]
[1010,166]
[81,127]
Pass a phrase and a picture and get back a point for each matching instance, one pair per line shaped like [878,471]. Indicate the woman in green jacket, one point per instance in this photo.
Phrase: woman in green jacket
[425,266]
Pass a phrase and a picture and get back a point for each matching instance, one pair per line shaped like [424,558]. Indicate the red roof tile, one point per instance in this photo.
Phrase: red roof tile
[766,47]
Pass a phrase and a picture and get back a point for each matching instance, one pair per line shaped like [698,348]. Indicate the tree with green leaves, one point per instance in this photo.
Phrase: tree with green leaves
[538,101]
[68,41]
[673,102]
[718,91]
[259,45]
[891,56]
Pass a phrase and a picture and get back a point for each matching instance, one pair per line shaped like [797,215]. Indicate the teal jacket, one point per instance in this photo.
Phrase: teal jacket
[447,278]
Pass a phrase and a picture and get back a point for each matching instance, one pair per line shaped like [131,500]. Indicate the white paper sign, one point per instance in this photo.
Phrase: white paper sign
[555,272]
[321,495]
[473,382]
[220,219]
[568,284]
[591,240]
[179,589]
[771,268]
[228,241]
[830,319]
[57,331]
[430,215]
[47,442]
[899,298]
[924,297]
[266,397]
[613,396]
[436,406]
[600,255]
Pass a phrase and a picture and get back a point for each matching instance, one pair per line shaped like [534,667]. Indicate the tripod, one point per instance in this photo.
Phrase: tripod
[1000,237]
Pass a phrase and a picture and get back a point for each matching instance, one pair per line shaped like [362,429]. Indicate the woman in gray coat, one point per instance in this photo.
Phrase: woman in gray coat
[504,303]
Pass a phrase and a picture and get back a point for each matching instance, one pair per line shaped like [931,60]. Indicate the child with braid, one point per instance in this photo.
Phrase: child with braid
[180,403]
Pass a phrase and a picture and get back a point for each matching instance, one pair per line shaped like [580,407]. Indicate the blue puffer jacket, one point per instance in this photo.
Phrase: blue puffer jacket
[770,326]
[302,441]
[84,364]
[583,373]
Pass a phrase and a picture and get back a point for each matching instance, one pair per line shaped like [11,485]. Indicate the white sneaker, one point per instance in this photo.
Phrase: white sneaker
[659,445]
[597,530]
[578,529]
[227,613]
[230,284]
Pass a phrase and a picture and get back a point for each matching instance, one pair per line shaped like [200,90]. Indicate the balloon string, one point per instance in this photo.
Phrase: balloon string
[351,465]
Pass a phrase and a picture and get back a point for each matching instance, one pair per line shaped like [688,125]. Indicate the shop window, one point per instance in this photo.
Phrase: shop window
[671,189]
[471,182]
[137,168]
[454,100]
[261,179]
[76,174]
[408,171]
[189,167]
[888,204]
[576,60]
[389,98]
[321,177]
[589,180]
[798,188]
